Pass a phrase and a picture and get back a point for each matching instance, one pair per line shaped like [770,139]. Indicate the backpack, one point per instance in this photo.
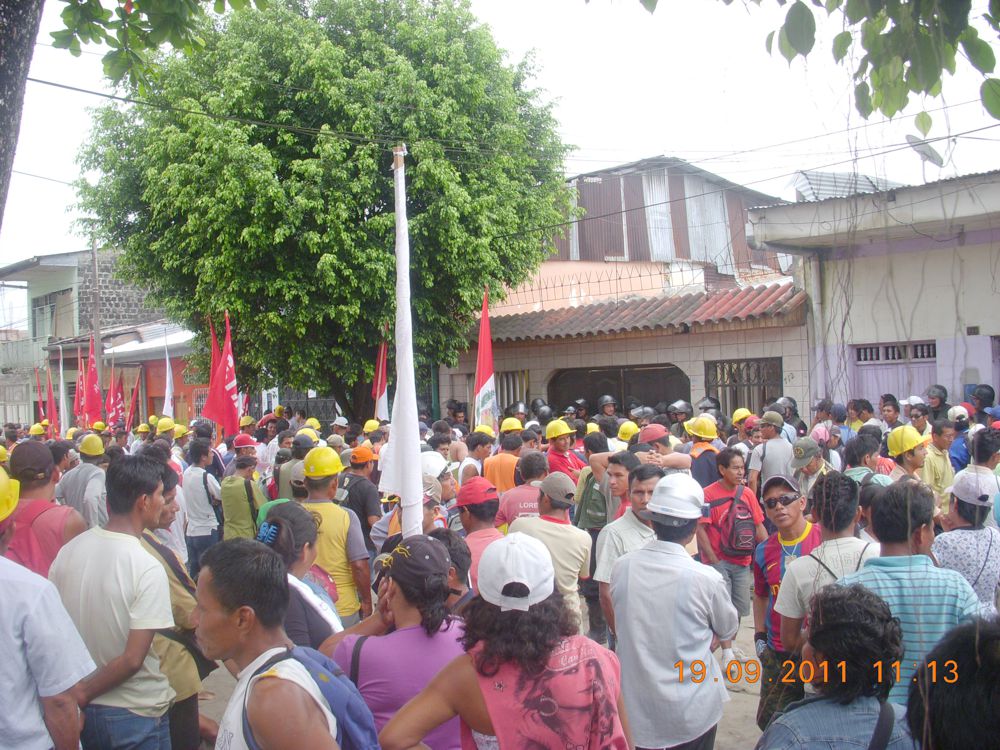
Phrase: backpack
[737,530]
[355,723]
[592,511]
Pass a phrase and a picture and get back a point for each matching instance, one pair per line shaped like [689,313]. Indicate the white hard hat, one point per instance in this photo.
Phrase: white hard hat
[676,496]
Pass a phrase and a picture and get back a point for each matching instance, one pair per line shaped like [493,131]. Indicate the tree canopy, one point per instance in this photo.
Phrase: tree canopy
[905,47]
[256,178]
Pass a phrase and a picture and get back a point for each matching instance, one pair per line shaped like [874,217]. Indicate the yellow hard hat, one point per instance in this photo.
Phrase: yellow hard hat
[557,428]
[45,423]
[486,430]
[36,429]
[166,424]
[99,426]
[279,411]
[905,438]
[153,419]
[740,414]
[3,454]
[322,462]
[511,424]
[141,428]
[702,427]
[180,431]
[92,445]
[310,432]
[371,425]
[72,431]
[592,427]
[10,489]
[627,430]
[313,422]
[246,420]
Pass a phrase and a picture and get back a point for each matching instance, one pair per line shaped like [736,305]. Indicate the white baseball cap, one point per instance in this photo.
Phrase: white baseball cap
[433,464]
[957,412]
[975,488]
[676,496]
[516,558]
[340,422]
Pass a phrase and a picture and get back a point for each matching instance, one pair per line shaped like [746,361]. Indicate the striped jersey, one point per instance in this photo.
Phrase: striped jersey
[769,560]
[929,601]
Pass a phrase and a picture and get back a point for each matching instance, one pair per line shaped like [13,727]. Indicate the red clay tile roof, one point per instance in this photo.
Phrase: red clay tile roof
[650,314]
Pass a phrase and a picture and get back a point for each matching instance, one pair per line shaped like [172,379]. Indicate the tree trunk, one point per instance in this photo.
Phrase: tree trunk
[19,20]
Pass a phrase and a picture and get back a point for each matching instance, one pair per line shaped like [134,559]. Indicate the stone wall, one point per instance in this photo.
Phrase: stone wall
[121,303]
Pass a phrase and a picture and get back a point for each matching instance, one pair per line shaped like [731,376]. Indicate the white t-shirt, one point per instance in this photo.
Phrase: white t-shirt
[41,654]
[230,735]
[110,585]
[619,537]
[202,520]
[804,576]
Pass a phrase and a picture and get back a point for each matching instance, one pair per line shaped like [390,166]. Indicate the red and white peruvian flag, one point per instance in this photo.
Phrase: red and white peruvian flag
[380,385]
[485,410]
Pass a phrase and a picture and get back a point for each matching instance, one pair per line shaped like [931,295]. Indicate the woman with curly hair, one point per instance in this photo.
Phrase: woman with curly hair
[527,680]
[849,657]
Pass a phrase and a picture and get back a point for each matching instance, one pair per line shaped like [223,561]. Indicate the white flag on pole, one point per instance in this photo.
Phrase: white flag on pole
[401,457]
[168,389]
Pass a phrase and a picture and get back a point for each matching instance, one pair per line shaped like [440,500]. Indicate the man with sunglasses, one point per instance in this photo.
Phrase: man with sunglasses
[795,537]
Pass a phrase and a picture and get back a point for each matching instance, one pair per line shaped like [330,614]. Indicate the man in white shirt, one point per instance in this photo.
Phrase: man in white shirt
[202,493]
[41,655]
[669,609]
[624,535]
[833,502]
[118,596]
[242,597]
[772,457]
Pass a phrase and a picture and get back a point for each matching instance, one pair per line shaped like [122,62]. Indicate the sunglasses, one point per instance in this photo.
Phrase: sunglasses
[772,503]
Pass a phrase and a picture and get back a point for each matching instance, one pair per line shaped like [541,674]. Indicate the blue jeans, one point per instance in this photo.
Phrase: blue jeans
[196,547]
[111,728]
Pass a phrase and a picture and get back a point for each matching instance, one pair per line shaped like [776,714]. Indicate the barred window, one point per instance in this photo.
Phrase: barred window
[750,383]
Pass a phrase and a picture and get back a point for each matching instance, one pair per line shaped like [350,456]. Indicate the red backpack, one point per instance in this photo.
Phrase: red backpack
[737,530]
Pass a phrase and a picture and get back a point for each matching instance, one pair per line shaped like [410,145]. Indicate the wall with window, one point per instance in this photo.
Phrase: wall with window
[896,319]
[757,340]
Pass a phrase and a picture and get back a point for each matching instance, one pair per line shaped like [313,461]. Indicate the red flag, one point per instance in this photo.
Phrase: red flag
[80,387]
[92,396]
[380,385]
[109,400]
[133,403]
[50,408]
[41,402]
[223,402]
[115,403]
[485,410]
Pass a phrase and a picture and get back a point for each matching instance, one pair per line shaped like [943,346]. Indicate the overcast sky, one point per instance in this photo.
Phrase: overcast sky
[692,80]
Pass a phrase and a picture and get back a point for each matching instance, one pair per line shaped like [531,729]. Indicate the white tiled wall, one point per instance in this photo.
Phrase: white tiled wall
[687,351]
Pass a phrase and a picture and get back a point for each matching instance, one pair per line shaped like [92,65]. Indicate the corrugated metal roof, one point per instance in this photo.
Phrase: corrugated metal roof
[650,314]
[814,186]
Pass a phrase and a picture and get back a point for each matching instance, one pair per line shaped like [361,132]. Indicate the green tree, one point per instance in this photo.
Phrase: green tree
[905,47]
[260,182]
[129,30]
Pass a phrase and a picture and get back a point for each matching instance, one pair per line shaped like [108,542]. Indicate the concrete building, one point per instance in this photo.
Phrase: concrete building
[653,295]
[60,292]
[903,285]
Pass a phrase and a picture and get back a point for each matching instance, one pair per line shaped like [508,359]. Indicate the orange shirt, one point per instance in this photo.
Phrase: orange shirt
[499,471]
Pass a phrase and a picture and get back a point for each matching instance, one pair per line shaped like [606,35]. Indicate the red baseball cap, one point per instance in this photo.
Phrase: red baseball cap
[752,421]
[652,433]
[245,441]
[475,491]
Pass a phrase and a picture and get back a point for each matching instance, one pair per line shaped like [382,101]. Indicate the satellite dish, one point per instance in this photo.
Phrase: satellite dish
[926,150]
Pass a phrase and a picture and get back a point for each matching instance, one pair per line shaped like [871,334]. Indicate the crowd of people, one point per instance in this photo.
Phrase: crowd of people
[579,582]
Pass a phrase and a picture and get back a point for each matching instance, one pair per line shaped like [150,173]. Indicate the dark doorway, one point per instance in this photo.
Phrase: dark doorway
[646,384]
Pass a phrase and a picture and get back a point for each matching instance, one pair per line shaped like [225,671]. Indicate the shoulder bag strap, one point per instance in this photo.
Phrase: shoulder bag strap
[986,559]
[823,565]
[356,658]
[248,486]
[861,557]
[883,727]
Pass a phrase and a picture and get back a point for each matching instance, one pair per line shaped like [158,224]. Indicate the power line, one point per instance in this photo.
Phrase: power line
[41,177]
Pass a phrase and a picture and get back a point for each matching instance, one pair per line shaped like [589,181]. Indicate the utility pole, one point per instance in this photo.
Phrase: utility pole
[96,311]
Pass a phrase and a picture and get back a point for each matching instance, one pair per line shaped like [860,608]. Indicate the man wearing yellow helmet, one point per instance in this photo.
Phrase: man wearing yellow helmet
[561,458]
[703,431]
[44,657]
[83,488]
[340,547]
